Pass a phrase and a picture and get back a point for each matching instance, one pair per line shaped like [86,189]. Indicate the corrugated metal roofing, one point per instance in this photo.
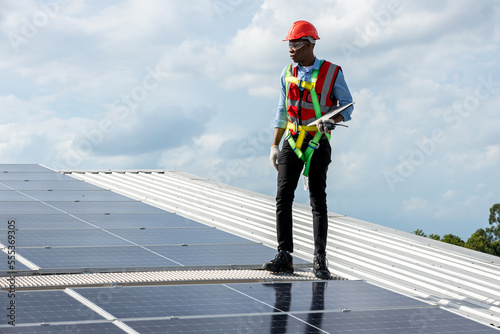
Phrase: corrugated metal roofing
[460,280]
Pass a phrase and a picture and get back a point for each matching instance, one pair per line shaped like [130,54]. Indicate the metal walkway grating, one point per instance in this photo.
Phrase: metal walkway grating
[154,277]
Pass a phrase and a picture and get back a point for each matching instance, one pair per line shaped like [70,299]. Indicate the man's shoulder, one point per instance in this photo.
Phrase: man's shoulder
[326,62]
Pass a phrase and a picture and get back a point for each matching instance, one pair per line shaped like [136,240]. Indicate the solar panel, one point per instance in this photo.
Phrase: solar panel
[76,195]
[176,300]
[95,257]
[256,323]
[298,307]
[47,306]
[396,321]
[44,221]
[148,220]
[4,265]
[178,236]
[337,295]
[205,255]
[12,195]
[190,300]
[102,207]
[49,185]
[30,176]
[23,168]
[26,207]
[64,237]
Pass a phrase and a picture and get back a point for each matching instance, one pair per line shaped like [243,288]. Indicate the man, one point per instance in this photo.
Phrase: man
[309,88]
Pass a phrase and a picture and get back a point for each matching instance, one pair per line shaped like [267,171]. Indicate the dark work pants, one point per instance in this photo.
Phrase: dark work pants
[289,172]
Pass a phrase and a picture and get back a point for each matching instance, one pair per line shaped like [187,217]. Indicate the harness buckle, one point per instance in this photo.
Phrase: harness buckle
[313,145]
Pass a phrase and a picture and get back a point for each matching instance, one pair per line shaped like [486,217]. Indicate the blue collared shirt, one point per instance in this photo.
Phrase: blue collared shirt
[340,92]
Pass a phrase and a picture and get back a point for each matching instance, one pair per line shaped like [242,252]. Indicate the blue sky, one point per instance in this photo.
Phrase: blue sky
[193,86]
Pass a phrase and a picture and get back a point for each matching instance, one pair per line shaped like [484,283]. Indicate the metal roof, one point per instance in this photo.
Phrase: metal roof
[460,280]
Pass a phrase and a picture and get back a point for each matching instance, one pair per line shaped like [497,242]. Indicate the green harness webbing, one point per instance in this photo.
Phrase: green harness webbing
[313,144]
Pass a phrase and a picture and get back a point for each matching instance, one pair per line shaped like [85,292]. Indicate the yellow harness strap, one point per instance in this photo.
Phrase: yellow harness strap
[303,84]
[301,129]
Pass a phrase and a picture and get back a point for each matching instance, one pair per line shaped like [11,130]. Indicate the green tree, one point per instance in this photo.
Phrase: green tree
[485,240]
[495,245]
[481,241]
[453,239]
[419,232]
[494,221]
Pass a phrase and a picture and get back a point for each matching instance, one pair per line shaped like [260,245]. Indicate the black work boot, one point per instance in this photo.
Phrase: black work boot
[320,267]
[282,263]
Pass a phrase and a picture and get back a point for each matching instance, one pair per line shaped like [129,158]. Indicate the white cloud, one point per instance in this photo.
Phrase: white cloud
[449,193]
[408,68]
[415,204]
[476,159]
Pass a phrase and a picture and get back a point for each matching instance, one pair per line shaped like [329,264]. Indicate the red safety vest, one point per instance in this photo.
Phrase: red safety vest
[299,104]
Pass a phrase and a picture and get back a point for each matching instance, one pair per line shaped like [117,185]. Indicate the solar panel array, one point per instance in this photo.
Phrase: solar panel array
[298,307]
[66,225]
[63,225]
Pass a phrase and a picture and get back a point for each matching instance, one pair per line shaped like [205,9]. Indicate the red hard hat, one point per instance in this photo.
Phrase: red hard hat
[301,29]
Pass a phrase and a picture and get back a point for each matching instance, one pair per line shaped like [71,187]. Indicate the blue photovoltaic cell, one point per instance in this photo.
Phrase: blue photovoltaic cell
[43,221]
[65,237]
[206,255]
[31,207]
[177,236]
[94,257]
[77,195]
[12,195]
[46,306]
[104,207]
[116,220]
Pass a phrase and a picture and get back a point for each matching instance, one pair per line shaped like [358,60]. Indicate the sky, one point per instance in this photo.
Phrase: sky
[194,86]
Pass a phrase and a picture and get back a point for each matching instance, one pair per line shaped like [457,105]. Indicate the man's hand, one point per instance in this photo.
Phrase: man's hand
[275,151]
[325,126]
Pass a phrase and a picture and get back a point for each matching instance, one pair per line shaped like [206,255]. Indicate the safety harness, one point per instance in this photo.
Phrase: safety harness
[302,129]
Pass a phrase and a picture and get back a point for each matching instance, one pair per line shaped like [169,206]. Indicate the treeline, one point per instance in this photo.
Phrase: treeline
[486,240]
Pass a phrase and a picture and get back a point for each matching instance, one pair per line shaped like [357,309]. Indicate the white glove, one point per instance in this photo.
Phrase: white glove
[275,151]
[325,126]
